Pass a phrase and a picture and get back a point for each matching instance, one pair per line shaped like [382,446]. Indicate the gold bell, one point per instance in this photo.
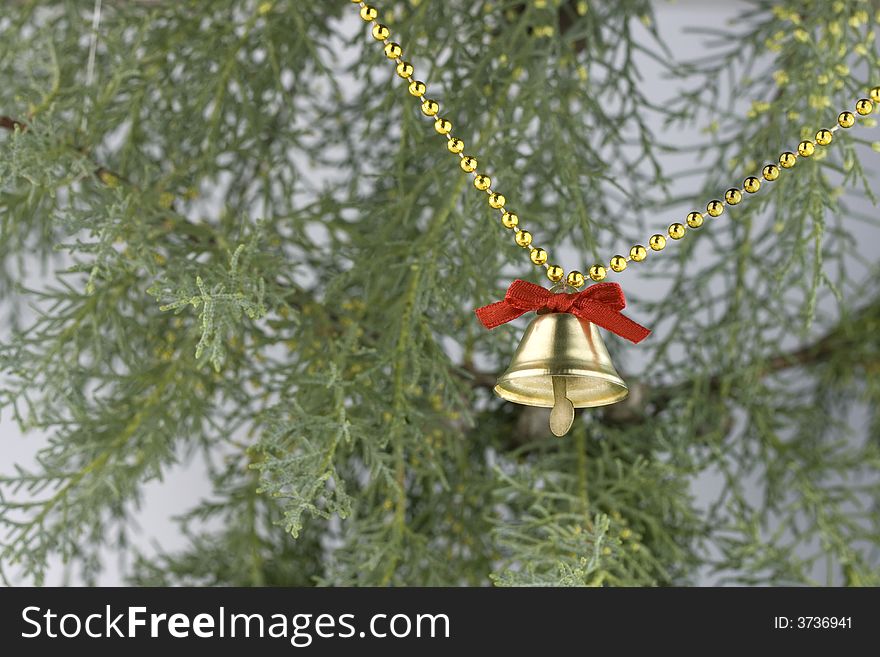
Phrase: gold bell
[561,363]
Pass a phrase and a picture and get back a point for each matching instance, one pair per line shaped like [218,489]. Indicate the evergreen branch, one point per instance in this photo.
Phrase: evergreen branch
[388,463]
[424,265]
[219,309]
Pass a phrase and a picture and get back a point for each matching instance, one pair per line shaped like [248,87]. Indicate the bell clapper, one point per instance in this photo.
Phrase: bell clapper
[562,415]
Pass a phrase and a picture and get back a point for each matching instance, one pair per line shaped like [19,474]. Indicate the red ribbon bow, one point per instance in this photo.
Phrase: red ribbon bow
[600,304]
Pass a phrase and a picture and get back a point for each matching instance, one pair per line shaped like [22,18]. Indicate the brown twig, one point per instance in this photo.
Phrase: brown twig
[806,355]
[102,173]
[105,176]
[8,123]
[645,400]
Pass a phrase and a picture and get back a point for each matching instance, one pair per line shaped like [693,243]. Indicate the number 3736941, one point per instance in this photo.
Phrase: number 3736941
[812,622]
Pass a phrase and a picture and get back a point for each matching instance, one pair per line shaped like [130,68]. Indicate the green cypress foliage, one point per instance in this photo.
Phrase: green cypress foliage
[257,254]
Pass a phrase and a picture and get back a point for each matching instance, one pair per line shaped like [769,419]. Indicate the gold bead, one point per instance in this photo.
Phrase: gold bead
[455,145]
[443,126]
[393,50]
[864,106]
[846,120]
[405,69]
[417,88]
[523,238]
[468,164]
[555,273]
[676,231]
[618,263]
[657,242]
[430,107]
[751,184]
[576,279]
[787,160]
[695,219]
[806,148]
[596,272]
[381,32]
[369,13]
[875,94]
[638,253]
[715,208]
[497,200]
[770,172]
[482,182]
[733,196]
[538,256]
[509,220]
[824,137]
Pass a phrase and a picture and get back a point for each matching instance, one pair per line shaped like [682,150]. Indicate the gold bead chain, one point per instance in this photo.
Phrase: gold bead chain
[510,220]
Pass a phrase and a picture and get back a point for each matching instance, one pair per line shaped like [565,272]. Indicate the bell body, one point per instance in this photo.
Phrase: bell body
[561,345]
